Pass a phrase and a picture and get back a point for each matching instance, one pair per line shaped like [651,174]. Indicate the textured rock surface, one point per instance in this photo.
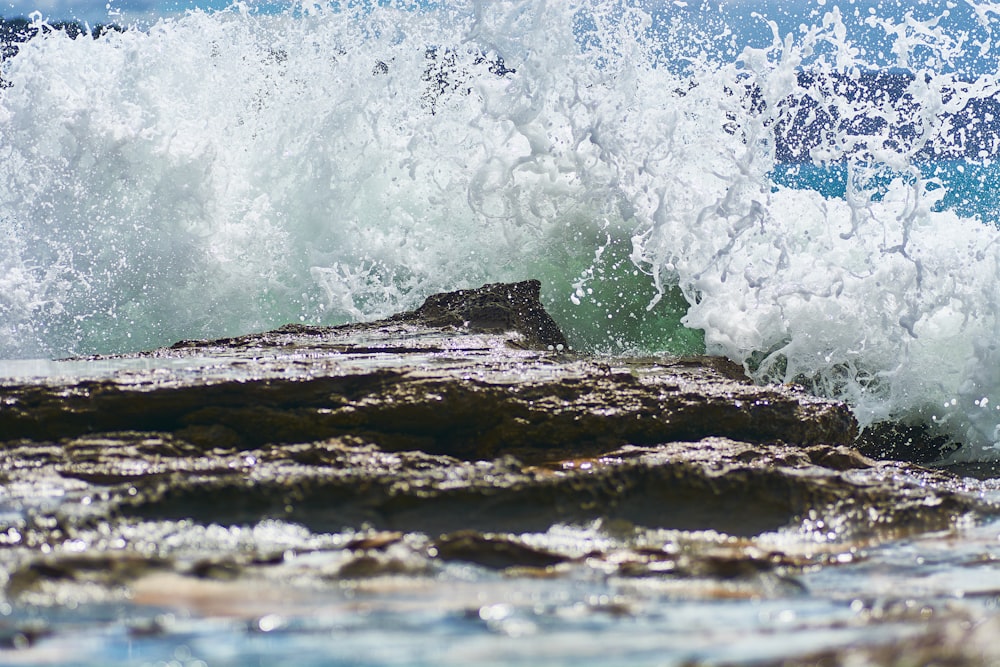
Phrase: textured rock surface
[456,436]
[437,384]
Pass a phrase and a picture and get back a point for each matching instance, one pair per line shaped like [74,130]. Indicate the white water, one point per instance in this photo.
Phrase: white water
[220,173]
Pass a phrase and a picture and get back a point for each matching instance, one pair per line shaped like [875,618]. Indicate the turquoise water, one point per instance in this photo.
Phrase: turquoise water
[970,189]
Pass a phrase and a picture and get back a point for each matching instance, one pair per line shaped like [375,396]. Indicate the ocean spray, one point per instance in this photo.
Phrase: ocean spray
[223,172]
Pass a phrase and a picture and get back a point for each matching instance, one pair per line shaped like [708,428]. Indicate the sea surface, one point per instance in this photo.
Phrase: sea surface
[807,189]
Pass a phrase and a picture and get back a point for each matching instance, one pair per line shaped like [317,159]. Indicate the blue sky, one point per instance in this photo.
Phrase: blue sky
[786,12]
[97,11]
[103,11]
[743,16]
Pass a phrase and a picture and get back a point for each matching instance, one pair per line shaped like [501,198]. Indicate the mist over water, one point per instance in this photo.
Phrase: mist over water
[220,173]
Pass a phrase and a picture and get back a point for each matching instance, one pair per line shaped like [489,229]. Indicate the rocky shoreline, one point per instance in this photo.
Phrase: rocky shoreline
[458,433]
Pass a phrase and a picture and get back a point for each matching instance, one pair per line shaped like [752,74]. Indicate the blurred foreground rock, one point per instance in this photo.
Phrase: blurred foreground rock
[463,432]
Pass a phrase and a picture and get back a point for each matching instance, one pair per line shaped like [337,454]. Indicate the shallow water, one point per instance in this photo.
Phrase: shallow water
[880,595]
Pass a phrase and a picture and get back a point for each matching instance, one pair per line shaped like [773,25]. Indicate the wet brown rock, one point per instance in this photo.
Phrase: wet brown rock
[107,569]
[442,420]
[472,407]
[720,484]
[493,551]
[377,541]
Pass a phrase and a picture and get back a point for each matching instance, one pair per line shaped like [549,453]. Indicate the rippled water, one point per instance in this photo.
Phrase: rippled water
[459,614]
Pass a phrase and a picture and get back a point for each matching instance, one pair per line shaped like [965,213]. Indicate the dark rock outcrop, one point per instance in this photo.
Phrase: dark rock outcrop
[471,374]
[895,440]
[496,308]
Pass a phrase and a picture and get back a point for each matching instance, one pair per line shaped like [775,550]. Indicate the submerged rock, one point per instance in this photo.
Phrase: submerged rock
[462,434]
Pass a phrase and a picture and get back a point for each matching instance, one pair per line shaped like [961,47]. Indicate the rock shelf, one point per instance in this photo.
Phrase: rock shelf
[464,433]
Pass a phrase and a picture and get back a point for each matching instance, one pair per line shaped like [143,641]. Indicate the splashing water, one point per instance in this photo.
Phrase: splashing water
[681,178]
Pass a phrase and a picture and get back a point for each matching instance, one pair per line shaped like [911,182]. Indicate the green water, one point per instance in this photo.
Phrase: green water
[611,313]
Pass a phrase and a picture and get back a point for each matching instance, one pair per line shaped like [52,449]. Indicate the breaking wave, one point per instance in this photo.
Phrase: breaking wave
[814,200]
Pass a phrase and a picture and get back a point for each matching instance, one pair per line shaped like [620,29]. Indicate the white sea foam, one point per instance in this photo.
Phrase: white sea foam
[218,173]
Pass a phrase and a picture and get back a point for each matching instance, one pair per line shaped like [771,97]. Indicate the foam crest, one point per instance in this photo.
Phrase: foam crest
[877,297]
